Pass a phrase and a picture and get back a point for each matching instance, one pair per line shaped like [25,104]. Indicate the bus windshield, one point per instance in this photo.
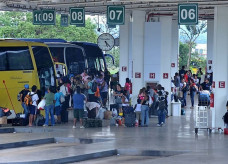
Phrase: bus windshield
[15,58]
[45,67]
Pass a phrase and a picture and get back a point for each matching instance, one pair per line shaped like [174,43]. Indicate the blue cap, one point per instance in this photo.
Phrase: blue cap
[26,86]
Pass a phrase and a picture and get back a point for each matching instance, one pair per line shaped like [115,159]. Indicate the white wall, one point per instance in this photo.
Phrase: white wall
[210,38]
[175,47]
[220,63]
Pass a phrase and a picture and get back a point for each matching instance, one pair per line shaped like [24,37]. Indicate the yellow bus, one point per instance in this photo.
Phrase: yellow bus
[24,63]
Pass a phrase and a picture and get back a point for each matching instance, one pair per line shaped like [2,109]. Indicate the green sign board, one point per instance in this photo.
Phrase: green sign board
[77,16]
[48,17]
[188,14]
[64,20]
[44,17]
[37,17]
[115,15]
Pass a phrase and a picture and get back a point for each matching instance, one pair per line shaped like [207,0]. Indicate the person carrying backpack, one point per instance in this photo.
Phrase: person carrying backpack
[91,90]
[23,93]
[31,101]
[161,109]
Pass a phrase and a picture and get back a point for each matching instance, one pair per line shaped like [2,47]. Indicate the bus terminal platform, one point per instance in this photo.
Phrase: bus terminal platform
[176,142]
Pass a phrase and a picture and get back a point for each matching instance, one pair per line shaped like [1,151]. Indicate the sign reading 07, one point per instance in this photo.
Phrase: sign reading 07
[188,14]
[115,15]
[77,16]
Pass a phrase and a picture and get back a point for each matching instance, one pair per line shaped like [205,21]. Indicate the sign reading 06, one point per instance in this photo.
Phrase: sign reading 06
[77,16]
[188,14]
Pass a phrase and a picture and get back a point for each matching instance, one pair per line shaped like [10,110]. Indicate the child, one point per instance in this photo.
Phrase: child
[138,111]
[58,95]
[78,101]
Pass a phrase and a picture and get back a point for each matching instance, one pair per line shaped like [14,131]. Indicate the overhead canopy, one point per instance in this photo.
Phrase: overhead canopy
[156,7]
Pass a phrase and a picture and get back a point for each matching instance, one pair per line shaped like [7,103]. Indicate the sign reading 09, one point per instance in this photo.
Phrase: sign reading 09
[44,17]
[115,15]
[188,14]
[77,16]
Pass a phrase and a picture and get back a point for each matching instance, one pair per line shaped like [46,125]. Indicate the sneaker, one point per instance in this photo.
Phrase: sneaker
[45,125]
[74,127]
[158,125]
[162,123]
[82,127]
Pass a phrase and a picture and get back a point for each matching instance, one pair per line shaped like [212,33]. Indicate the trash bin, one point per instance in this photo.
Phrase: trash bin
[176,108]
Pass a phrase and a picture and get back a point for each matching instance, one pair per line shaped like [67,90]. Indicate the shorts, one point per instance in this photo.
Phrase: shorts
[78,113]
[32,109]
[58,110]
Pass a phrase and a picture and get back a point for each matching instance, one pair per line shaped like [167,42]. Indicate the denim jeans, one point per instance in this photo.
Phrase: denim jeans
[144,115]
[25,109]
[184,97]
[161,116]
[49,109]
[192,95]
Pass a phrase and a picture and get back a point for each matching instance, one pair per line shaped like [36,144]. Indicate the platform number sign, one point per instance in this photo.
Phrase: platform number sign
[77,16]
[115,15]
[64,20]
[44,17]
[37,17]
[188,14]
[48,17]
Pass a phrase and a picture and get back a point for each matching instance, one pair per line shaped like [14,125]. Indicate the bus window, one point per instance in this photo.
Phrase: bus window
[98,64]
[102,64]
[57,54]
[75,60]
[91,63]
[15,58]
[44,67]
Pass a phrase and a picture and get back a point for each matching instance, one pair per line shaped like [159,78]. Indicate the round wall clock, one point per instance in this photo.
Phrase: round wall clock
[106,41]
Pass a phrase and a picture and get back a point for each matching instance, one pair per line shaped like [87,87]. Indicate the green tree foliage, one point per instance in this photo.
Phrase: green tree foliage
[183,54]
[115,52]
[19,25]
[191,33]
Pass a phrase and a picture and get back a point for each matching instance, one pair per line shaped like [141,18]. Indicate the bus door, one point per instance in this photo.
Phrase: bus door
[61,70]
[45,68]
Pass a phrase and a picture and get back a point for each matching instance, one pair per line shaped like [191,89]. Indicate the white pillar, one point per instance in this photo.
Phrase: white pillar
[220,63]
[137,47]
[210,39]
[124,50]
[175,47]
[166,53]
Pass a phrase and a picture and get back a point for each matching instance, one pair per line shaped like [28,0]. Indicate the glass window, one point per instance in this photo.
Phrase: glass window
[102,64]
[15,58]
[75,60]
[98,64]
[57,54]
[45,68]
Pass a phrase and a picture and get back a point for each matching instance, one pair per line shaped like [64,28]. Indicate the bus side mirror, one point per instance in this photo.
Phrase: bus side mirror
[110,56]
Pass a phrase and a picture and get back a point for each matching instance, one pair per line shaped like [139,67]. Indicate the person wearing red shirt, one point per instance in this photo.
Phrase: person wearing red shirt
[193,90]
[127,87]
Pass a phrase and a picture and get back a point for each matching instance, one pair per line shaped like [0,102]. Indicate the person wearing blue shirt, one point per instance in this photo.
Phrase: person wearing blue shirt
[58,108]
[78,101]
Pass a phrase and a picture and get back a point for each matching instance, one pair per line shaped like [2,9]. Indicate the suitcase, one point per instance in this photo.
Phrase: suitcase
[130,120]
[128,109]
[64,116]
[204,99]
[92,113]
[92,123]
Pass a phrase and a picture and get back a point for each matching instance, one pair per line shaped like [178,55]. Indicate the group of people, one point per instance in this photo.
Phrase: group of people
[72,92]
[185,82]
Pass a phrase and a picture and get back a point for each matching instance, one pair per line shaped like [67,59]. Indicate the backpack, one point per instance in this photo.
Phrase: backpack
[28,99]
[186,88]
[39,120]
[225,118]
[94,87]
[162,104]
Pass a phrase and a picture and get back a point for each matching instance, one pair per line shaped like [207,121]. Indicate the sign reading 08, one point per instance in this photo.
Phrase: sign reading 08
[115,15]
[77,16]
[188,14]
[44,17]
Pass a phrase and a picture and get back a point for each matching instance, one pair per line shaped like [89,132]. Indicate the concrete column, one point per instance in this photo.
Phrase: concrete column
[175,47]
[220,63]
[137,52]
[166,53]
[210,38]
[124,50]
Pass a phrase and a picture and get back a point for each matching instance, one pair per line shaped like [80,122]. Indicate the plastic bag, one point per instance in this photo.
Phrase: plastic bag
[41,104]
[114,112]
[100,113]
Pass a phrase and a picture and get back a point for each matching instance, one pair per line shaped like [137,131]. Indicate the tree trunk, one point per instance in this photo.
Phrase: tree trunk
[189,56]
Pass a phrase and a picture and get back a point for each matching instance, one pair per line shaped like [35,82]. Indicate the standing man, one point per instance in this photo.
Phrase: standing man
[65,101]
[182,73]
[78,100]
[23,93]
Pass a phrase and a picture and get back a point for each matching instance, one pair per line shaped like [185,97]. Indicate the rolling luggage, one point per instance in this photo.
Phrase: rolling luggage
[128,109]
[92,123]
[204,99]
[130,120]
